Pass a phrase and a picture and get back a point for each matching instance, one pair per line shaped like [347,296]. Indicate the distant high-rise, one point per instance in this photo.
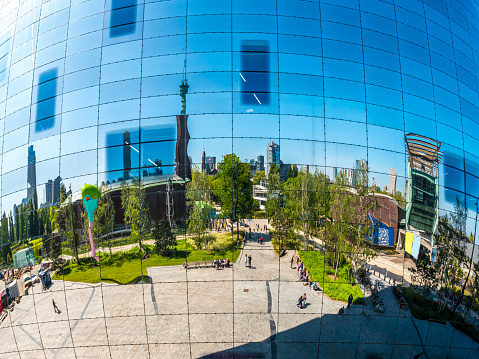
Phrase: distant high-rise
[56,190]
[260,163]
[360,173]
[392,181]
[272,156]
[126,155]
[31,172]
[49,192]
[336,172]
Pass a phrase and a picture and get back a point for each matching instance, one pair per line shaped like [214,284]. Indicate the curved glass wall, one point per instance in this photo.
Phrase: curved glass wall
[193,117]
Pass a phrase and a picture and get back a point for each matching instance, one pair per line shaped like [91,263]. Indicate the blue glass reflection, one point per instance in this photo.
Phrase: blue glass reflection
[154,149]
[47,90]
[453,174]
[123,17]
[255,77]
[4,48]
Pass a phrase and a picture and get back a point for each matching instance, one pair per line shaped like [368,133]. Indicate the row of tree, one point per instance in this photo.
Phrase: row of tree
[27,221]
[306,203]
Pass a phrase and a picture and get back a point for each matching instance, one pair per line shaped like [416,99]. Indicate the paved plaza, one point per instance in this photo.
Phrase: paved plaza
[239,312]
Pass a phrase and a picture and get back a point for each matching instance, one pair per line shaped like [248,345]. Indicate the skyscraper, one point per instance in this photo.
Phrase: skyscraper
[31,172]
[49,192]
[392,181]
[260,163]
[272,156]
[360,173]
[56,190]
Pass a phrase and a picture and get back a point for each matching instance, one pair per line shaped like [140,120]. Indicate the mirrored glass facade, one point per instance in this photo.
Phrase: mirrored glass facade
[319,138]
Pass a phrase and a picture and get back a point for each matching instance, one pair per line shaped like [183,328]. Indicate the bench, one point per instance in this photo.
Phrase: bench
[199,264]
[190,265]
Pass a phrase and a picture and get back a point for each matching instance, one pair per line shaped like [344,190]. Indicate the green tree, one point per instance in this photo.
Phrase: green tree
[451,245]
[163,237]
[234,188]
[68,219]
[17,224]
[11,228]
[53,218]
[350,228]
[459,221]
[137,210]
[259,176]
[35,219]
[198,195]
[5,236]
[307,202]
[23,221]
[400,199]
[292,172]
[30,224]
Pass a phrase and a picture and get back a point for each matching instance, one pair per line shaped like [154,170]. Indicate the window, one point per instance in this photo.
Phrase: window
[47,90]
[255,84]
[123,17]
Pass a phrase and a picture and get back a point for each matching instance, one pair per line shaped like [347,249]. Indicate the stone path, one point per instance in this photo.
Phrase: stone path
[208,313]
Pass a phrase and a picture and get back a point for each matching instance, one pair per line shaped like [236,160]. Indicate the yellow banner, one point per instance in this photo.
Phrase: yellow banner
[409,241]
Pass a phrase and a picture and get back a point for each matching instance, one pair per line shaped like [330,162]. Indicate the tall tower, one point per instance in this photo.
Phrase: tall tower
[31,172]
[182,160]
[203,162]
[392,181]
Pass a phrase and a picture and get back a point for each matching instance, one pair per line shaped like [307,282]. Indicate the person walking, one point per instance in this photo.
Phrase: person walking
[261,239]
[304,300]
[249,260]
[350,300]
[300,302]
[341,311]
[55,308]
[245,260]
[292,260]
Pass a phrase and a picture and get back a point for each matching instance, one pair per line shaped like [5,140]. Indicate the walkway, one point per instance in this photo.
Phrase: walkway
[206,313]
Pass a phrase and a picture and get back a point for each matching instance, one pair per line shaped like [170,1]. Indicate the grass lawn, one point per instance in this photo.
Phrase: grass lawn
[338,289]
[127,268]
[424,308]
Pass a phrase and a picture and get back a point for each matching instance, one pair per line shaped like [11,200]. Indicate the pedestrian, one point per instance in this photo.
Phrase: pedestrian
[55,308]
[292,260]
[304,300]
[300,302]
[245,260]
[249,260]
[350,300]
[261,239]
[341,311]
